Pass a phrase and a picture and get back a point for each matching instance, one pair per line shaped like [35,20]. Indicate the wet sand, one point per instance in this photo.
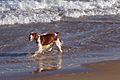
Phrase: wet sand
[107,70]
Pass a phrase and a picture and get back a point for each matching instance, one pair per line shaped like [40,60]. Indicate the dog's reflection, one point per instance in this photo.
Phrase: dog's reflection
[48,61]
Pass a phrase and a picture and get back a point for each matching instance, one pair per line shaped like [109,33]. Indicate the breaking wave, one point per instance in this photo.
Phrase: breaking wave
[28,11]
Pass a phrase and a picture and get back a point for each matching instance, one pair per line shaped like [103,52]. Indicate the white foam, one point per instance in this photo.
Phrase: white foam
[27,11]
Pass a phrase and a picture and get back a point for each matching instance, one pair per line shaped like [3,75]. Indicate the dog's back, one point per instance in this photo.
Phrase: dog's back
[49,38]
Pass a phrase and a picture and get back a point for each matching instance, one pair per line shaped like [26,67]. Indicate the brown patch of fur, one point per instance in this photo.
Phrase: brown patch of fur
[48,38]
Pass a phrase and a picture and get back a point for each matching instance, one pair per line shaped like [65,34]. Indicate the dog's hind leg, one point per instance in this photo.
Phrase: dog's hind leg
[59,44]
[50,49]
[36,53]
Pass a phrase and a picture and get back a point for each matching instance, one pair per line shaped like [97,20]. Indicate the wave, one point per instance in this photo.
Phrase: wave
[28,11]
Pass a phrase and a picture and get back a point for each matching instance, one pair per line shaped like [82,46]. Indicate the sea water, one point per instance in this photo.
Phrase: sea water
[89,30]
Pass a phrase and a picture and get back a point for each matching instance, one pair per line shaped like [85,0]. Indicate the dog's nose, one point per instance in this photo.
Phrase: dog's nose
[29,37]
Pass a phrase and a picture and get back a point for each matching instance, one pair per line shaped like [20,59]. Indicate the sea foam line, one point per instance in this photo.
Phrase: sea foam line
[28,11]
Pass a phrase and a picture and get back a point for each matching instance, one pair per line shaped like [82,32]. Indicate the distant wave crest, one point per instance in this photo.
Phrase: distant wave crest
[28,11]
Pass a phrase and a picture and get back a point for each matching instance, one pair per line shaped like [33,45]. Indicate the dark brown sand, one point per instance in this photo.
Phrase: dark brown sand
[109,70]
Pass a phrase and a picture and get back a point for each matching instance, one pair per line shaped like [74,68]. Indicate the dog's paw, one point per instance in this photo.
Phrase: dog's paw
[33,56]
[35,71]
[59,67]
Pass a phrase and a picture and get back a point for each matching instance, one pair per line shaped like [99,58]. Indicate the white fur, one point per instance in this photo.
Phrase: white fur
[55,34]
[59,44]
[41,47]
[31,38]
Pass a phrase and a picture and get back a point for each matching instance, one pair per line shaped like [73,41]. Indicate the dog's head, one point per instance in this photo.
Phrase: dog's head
[33,36]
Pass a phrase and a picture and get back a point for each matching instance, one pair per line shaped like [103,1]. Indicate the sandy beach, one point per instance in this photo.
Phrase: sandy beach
[107,70]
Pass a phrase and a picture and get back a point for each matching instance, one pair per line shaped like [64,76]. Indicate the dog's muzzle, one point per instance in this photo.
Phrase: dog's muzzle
[30,37]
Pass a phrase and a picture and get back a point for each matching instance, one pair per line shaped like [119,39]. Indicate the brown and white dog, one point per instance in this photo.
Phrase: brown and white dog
[46,41]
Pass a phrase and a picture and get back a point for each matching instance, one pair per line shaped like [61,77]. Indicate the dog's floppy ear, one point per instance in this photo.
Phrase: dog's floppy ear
[36,36]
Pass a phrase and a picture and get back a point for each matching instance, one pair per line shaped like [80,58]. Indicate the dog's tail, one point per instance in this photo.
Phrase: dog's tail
[58,35]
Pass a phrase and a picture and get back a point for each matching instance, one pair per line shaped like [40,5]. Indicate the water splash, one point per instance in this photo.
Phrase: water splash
[28,11]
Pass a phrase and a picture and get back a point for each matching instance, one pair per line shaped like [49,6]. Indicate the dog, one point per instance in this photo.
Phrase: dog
[46,41]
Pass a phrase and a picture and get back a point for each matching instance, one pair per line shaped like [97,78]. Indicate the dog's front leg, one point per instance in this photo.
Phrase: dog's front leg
[40,49]
[37,52]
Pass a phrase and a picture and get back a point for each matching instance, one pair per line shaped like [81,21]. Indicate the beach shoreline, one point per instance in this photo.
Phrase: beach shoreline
[106,70]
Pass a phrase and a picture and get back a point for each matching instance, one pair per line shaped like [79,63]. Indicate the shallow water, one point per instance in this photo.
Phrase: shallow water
[86,40]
